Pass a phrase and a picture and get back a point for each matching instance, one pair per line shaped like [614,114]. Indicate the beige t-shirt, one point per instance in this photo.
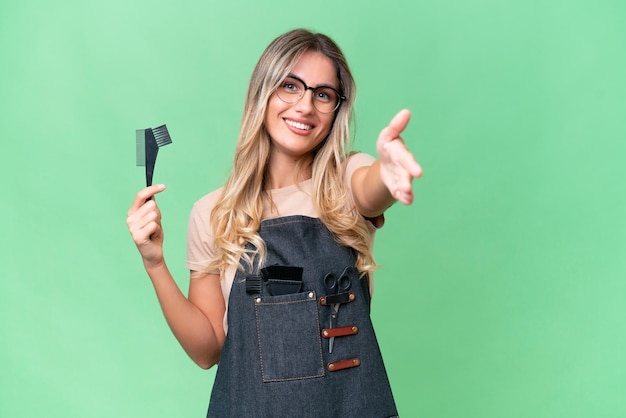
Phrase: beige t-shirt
[290,200]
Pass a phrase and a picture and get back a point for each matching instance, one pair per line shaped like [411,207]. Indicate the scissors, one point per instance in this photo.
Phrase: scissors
[335,286]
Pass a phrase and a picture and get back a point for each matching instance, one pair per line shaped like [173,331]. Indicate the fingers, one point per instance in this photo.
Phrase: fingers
[144,195]
[397,125]
[401,188]
[398,166]
[144,216]
[147,213]
[144,222]
[404,193]
[407,161]
[401,156]
[404,198]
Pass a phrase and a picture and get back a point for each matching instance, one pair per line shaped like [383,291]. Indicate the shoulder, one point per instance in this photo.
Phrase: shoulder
[200,242]
[204,205]
[355,161]
[199,218]
[360,159]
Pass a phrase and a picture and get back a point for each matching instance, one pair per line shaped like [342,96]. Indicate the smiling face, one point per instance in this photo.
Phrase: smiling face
[296,129]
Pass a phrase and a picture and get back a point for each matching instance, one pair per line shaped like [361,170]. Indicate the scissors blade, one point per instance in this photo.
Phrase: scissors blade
[334,311]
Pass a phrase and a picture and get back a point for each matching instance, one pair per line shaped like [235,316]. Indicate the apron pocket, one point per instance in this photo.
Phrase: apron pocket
[288,330]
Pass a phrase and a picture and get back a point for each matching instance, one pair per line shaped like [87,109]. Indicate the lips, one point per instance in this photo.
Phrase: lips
[298,125]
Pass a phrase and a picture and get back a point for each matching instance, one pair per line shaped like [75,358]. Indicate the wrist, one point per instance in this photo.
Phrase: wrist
[154,266]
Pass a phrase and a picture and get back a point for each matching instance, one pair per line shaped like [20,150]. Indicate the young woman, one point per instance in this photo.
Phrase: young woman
[280,256]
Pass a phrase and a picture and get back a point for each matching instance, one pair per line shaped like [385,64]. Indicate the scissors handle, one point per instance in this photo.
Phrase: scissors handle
[344,282]
[335,285]
[330,282]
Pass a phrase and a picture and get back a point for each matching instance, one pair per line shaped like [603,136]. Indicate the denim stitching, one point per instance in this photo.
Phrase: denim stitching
[258,335]
[317,320]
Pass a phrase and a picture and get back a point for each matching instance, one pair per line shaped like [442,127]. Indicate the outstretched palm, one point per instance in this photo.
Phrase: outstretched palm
[398,167]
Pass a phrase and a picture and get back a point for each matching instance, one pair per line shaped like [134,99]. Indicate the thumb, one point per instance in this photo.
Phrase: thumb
[396,126]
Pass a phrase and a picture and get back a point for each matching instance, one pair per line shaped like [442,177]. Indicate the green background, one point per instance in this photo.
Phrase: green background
[502,288]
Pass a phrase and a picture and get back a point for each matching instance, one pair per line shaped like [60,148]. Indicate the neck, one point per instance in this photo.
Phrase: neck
[283,172]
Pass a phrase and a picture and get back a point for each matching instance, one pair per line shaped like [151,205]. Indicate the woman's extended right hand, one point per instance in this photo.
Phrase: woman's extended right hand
[144,224]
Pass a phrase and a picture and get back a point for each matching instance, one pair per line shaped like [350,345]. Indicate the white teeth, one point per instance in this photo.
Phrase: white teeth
[298,125]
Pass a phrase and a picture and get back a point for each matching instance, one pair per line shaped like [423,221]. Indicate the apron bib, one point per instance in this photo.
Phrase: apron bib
[275,361]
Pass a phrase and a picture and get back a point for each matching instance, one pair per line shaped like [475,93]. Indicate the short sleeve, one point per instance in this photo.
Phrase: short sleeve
[200,242]
[354,162]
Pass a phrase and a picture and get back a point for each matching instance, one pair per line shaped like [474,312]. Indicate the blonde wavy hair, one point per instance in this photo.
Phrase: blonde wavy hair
[236,217]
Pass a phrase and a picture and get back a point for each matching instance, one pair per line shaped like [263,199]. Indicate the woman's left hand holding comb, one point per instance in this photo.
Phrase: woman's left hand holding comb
[144,224]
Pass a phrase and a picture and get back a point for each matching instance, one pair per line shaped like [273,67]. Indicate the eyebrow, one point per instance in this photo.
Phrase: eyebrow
[319,85]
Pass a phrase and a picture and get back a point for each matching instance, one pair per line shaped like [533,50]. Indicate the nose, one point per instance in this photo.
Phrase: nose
[305,103]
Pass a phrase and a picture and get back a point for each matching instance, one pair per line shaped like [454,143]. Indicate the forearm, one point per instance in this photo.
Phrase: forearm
[191,327]
[371,196]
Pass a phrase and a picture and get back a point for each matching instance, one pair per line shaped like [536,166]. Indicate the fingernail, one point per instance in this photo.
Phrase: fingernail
[161,186]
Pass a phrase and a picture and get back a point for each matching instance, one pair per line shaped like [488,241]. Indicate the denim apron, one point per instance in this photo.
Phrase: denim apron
[275,361]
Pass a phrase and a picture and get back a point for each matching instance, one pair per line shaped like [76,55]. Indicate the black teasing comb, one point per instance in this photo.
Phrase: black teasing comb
[148,143]
[278,272]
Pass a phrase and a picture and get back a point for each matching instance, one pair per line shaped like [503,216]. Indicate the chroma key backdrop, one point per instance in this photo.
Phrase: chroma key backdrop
[502,289]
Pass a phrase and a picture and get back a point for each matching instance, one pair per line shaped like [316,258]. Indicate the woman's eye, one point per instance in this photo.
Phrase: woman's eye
[291,86]
[324,95]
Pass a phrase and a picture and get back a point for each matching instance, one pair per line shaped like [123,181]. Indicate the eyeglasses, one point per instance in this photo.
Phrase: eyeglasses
[325,98]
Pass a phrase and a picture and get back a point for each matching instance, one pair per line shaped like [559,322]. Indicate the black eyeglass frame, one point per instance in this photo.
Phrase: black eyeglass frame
[340,96]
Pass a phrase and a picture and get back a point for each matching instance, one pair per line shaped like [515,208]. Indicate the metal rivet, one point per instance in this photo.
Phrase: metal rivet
[352,296]
[355,329]
[356,361]
[311,295]
[331,367]
[258,300]
[325,333]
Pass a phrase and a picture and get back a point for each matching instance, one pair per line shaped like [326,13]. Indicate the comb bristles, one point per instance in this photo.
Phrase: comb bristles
[253,284]
[162,136]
